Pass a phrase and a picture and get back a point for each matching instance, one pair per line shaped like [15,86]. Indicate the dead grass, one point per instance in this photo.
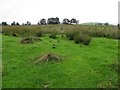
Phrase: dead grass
[30,40]
[47,57]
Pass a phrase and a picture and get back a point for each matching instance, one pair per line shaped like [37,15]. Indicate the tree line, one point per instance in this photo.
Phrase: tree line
[52,21]
[48,21]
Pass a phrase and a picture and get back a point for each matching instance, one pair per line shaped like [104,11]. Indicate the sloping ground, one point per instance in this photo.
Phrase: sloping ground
[83,67]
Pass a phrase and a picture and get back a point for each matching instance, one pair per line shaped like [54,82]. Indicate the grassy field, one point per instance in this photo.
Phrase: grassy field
[81,66]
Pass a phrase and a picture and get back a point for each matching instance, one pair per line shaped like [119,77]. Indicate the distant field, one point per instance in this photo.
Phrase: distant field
[81,66]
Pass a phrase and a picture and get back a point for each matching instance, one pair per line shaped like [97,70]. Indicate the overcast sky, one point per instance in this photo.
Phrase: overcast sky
[84,10]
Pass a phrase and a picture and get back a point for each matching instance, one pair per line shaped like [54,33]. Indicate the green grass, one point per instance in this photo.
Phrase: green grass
[82,67]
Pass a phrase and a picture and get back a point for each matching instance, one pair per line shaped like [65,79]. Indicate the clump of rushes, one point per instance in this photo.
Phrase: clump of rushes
[71,34]
[27,40]
[51,57]
[53,34]
[30,40]
[39,33]
[78,38]
[86,39]
[82,38]
[69,31]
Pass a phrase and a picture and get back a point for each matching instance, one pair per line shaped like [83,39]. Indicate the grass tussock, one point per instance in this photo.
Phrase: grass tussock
[82,38]
[53,34]
[27,41]
[30,40]
[70,34]
[47,57]
[39,33]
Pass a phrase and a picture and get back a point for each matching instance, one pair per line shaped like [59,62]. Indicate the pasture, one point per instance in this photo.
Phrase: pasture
[84,56]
